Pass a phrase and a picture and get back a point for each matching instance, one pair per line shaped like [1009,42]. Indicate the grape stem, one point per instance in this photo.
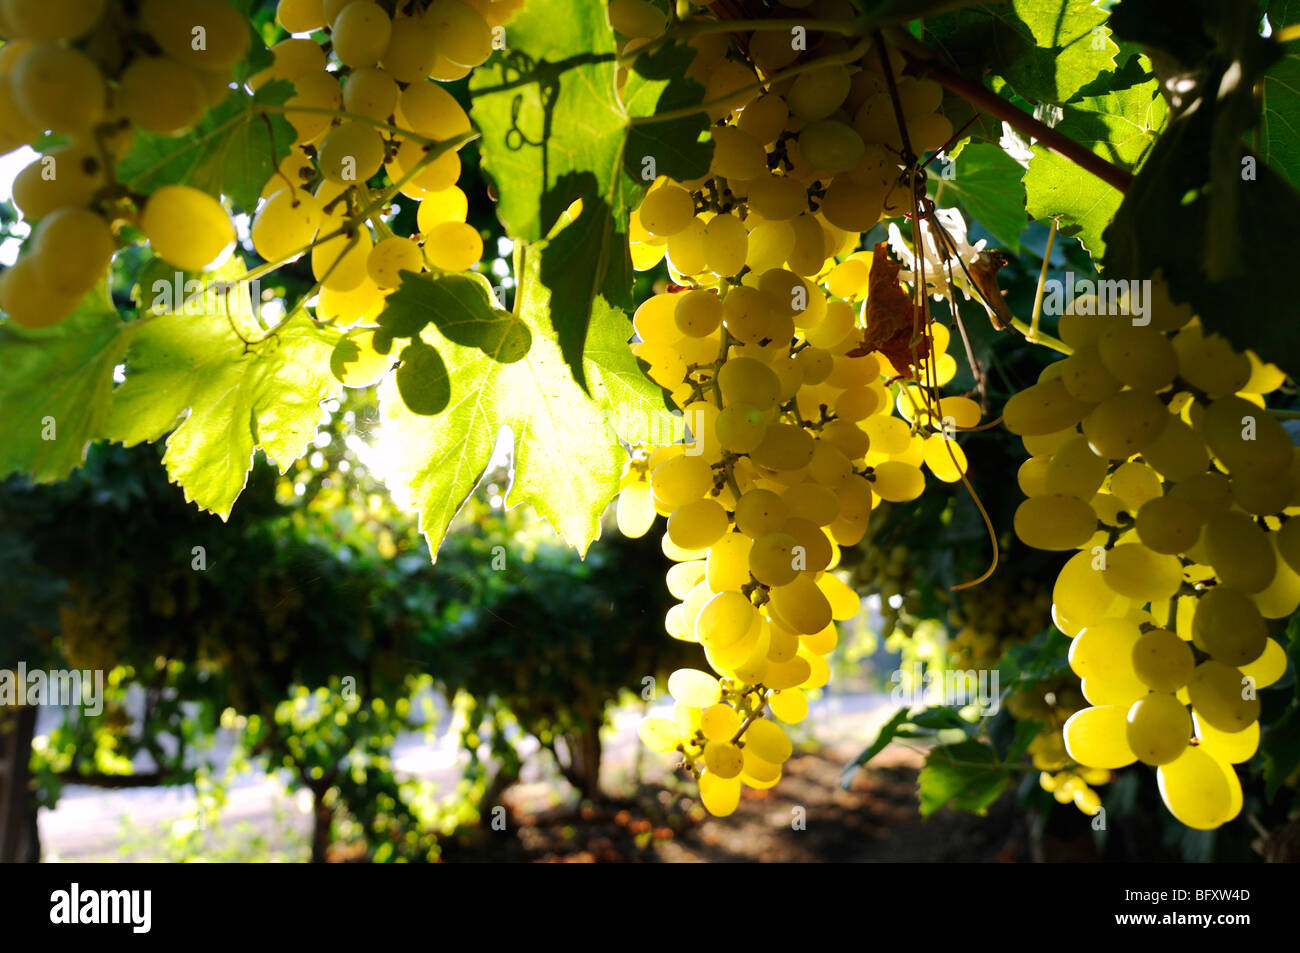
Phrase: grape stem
[753,716]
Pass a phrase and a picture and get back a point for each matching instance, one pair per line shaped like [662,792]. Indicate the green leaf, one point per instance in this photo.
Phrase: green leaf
[463,309]
[208,375]
[1046,49]
[567,459]
[56,388]
[556,130]
[1196,215]
[1121,127]
[987,183]
[964,776]
[229,152]
[1046,655]
[1280,130]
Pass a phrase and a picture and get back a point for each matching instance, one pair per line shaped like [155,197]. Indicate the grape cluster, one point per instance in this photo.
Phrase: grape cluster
[92,72]
[765,343]
[1153,454]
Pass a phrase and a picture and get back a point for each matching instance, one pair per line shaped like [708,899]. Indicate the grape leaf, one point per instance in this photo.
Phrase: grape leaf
[1198,192]
[190,372]
[557,130]
[232,151]
[1120,126]
[887,733]
[566,457]
[56,388]
[987,183]
[1046,49]
[1280,130]
[464,311]
[965,776]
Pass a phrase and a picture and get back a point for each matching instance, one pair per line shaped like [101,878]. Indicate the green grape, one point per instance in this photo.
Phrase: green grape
[464,37]
[350,153]
[1209,363]
[1246,438]
[727,244]
[759,512]
[681,480]
[453,246]
[778,198]
[898,482]
[286,224]
[771,559]
[1228,627]
[736,155]
[1162,660]
[300,16]
[1262,495]
[929,132]
[768,741]
[636,18]
[187,228]
[1055,522]
[720,722]
[221,44]
[1216,691]
[1197,789]
[1134,483]
[1098,737]
[698,313]
[660,734]
[747,381]
[73,248]
[809,252]
[740,428]
[800,607]
[447,205]
[59,88]
[1043,408]
[390,258]
[1140,357]
[1169,525]
[370,92]
[438,174]
[919,97]
[1075,470]
[723,759]
[1159,728]
[727,565]
[292,58]
[361,33]
[720,796]
[813,502]
[313,91]
[43,21]
[852,206]
[1231,747]
[160,95]
[789,705]
[30,301]
[1268,667]
[412,50]
[339,263]
[1086,377]
[832,147]
[429,110]
[1080,596]
[1240,551]
[1032,476]
[698,524]
[666,211]
[1124,424]
[1104,649]
[817,94]
[764,118]
[750,316]
[1142,575]
[694,688]
[783,447]
[687,249]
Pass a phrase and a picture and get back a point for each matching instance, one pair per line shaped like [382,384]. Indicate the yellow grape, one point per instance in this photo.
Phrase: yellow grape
[694,688]
[721,796]
[59,88]
[1162,660]
[1054,521]
[186,227]
[1197,789]
[428,109]
[392,256]
[350,153]
[659,734]
[355,362]
[1219,693]
[72,249]
[1159,728]
[208,35]
[300,16]
[453,246]
[28,300]
[447,205]
[635,512]
[464,37]
[1098,737]
[286,224]
[768,741]
[723,759]
[43,21]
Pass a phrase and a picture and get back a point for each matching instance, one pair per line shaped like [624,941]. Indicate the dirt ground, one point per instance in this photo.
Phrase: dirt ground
[875,820]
